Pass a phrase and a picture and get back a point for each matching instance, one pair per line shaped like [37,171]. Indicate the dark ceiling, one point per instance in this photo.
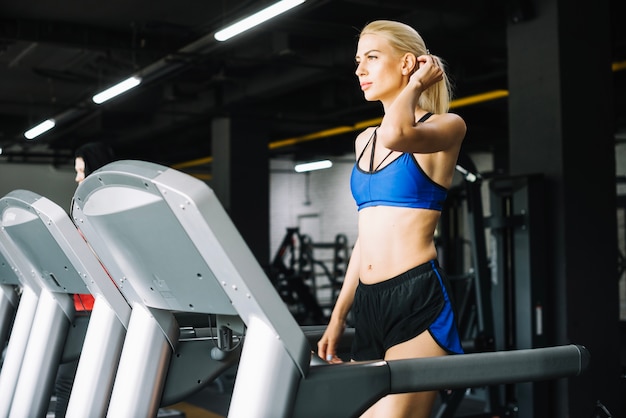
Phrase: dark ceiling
[295,73]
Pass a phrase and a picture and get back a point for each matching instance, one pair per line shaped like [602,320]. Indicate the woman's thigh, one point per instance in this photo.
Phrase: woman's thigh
[405,405]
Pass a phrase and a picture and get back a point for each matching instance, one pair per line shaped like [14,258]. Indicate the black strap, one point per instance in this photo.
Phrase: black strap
[365,147]
[383,160]
[372,169]
[373,151]
[425,117]
[373,141]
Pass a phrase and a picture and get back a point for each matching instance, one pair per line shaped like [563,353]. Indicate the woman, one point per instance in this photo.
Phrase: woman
[403,169]
[90,157]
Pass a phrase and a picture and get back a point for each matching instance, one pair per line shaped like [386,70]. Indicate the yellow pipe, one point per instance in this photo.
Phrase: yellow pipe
[479,98]
[618,66]
[323,134]
[202,176]
[193,163]
[465,101]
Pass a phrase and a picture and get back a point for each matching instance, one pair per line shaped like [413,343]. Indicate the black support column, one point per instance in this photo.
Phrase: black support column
[561,125]
[241,178]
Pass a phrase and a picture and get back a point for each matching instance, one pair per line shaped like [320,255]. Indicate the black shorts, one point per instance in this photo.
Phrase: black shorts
[395,310]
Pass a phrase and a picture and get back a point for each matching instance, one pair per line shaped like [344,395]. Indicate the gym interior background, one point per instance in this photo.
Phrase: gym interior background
[541,85]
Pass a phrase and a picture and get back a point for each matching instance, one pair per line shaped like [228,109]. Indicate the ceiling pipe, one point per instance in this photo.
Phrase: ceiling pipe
[465,101]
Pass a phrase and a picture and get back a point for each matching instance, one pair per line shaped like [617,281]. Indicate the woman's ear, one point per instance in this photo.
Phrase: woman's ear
[409,64]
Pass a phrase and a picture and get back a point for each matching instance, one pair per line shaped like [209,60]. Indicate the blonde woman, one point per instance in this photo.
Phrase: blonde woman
[397,291]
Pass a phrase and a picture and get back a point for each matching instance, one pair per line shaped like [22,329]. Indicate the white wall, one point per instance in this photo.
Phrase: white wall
[323,211]
[54,183]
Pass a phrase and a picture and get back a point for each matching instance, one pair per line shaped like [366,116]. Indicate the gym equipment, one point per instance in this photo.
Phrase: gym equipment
[15,273]
[475,316]
[56,262]
[170,247]
[330,263]
[295,268]
[48,244]
[289,272]
[9,295]
[518,225]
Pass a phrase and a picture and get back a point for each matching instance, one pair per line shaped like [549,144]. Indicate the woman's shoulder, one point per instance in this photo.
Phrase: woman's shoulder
[448,118]
[364,136]
[452,123]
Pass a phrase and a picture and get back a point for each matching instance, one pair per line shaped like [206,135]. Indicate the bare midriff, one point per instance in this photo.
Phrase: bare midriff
[393,240]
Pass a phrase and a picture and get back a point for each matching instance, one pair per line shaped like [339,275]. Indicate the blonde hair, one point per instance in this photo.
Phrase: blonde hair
[404,39]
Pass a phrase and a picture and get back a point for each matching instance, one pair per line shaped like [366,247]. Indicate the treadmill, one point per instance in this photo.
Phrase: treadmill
[52,261]
[169,246]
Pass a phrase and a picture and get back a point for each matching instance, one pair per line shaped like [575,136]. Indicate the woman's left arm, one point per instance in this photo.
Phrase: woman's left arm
[400,132]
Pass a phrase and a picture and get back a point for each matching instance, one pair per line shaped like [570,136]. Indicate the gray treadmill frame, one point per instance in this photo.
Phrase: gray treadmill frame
[23,321]
[169,245]
[9,294]
[59,263]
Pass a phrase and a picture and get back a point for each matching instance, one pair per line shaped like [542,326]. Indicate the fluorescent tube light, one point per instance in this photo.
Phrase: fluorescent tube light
[315,165]
[44,126]
[116,90]
[256,19]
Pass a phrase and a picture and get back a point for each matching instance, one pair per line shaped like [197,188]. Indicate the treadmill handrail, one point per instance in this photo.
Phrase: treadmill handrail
[348,389]
[485,369]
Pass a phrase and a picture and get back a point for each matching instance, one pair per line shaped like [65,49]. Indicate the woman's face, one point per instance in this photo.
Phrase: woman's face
[79,166]
[379,68]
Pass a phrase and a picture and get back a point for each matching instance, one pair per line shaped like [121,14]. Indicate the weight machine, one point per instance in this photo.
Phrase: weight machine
[295,271]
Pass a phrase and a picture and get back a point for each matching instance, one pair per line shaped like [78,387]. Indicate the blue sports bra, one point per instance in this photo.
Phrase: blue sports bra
[401,183]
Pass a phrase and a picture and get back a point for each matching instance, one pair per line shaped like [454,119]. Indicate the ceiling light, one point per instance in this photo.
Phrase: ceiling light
[44,126]
[315,165]
[256,19]
[116,90]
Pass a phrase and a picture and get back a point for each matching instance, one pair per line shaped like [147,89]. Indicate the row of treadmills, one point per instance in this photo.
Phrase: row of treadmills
[150,242]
